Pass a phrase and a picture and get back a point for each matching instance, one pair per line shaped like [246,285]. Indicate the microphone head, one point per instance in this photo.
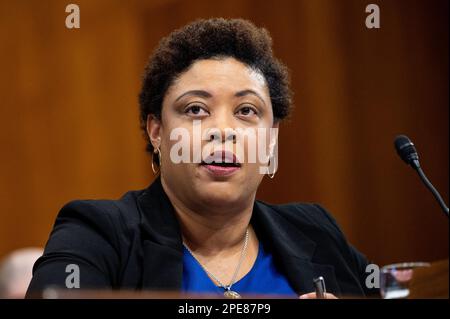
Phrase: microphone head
[406,150]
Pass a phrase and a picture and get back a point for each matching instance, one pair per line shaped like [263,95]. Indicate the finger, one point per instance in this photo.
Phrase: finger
[312,295]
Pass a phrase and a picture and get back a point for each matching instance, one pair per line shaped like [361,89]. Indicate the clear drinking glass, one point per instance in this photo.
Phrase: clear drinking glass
[396,278]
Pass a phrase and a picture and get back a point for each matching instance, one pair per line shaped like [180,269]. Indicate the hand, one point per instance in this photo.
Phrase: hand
[312,295]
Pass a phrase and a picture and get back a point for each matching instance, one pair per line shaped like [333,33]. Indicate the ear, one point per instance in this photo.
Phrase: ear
[154,130]
[273,137]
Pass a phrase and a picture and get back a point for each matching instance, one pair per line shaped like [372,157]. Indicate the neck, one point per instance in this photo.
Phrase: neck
[208,230]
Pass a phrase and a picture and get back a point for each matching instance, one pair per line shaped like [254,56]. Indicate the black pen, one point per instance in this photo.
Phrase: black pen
[319,284]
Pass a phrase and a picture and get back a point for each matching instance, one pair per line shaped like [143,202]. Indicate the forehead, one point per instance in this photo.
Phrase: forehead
[220,74]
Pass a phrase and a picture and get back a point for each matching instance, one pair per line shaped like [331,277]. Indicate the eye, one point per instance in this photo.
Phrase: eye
[247,111]
[196,110]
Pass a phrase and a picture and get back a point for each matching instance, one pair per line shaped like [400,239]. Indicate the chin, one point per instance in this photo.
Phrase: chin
[218,194]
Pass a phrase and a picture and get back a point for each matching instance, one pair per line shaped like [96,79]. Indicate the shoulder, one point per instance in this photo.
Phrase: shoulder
[98,231]
[313,221]
[108,206]
[105,215]
[306,216]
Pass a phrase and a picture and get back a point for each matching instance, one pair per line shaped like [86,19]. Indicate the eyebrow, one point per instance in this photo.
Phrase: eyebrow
[205,94]
[247,92]
[200,93]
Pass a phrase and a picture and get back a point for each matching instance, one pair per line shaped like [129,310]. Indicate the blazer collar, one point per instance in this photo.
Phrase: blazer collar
[158,219]
[162,256]
[162,245]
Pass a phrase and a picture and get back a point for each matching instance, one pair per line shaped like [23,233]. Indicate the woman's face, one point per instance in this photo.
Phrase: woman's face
[212,97]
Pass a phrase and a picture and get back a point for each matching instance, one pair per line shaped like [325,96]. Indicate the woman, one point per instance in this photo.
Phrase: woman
[198,227]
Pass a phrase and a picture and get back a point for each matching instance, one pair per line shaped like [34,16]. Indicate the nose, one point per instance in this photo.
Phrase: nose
[222,135]
[222,129]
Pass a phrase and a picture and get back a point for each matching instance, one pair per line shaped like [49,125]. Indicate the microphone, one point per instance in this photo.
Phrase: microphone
[408,153]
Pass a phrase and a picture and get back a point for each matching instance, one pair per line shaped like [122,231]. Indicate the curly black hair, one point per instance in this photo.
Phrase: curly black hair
[206,39]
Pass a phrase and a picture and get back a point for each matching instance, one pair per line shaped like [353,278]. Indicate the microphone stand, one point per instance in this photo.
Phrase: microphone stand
[430,186]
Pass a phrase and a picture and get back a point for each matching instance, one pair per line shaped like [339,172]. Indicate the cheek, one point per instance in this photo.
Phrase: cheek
[254,146]
[177,145]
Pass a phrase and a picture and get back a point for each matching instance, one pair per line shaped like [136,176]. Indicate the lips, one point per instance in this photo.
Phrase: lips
[222,158]
[221,163]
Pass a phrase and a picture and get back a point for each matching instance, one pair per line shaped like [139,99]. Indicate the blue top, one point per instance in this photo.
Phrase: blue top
[263,278]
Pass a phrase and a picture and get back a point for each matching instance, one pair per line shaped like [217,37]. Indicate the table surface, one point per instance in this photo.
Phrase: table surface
[427,282]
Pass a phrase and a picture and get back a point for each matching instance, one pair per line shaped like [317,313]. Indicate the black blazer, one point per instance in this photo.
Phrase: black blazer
[135,243]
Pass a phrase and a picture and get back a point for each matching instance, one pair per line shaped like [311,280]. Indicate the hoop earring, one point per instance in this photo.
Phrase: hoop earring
[271,175]
[156,151]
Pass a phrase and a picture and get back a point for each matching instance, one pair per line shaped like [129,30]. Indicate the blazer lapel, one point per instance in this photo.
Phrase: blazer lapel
[292,250]
[161,241]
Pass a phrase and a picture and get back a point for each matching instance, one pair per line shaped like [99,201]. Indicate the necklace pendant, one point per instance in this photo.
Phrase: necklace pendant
[230,294]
